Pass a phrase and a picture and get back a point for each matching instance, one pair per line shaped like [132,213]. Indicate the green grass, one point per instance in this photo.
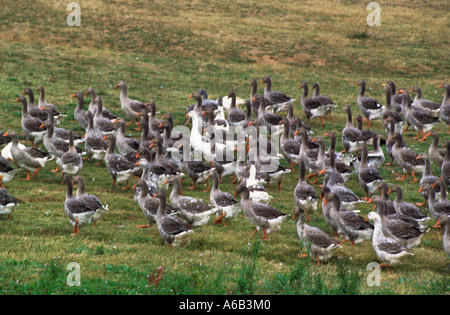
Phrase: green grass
[164,51]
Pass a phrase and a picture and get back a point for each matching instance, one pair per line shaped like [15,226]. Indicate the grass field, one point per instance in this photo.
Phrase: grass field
[165,50]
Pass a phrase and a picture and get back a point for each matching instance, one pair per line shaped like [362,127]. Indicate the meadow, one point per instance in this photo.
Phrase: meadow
[165,50]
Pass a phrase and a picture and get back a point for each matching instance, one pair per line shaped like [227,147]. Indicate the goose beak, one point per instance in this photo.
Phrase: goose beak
[190,96]
[383,84]
[356,84]
[254,99]
[370,200]
[85,93]
[160,125]
[73,95]
[322,171]
[411,90]
[134,187]
[154,196]
[437,225]
[166,182]
[325,201]
[313,140]
[137,163]
[116,86]
[17,100]
[420,189]
[41,126]
[389,191]
[6,134]
[418,157]
[104,138]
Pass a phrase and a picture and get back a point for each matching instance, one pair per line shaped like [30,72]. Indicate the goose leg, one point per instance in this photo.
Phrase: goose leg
[194,186]
[127,186]
[265,235]
[401,178]
[414,176]
[143,226]
[219,218]
[35,172]
[56,169]
[1,181]
[424,136]
[28,176]
[323,123]
[421,204]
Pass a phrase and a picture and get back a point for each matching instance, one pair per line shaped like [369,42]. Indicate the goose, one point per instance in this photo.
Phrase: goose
[407,233]
[54,145]
[93,106]
[444,223]
[80,114]
[199,144]
[173,230]
[206,101]
[406,158]
[198,171]
[388,111]
[440,186]
[255,102]
[348,198]
[104,125]
[352,137]
[353,226]
[43,103]
[32,109]
[406,208]
[31,159]
[321,246]
[445,167]
[420,118]
[375,157]
[304,194]
[154,121]
[94,144]
[437,155]
[367,134]
[384,211]
[383,188]
[223,161]
[91,200]
[153,174]
[427,177]
[7,173]
[270,120]
[197,109]
[445,105]
[129,106]
[396,99]
[125,144]
[71,161]
[312,107]
[390,139]
[224,201]
[390,252]
[263,216]
[191,210]
[8,203]
[289,147]
[236,116]
[148,204]
[61,132]
[277,98]
[258,192]
[77,210]
[120,168]
[331,167]
[369,106]
[419,101]
[368,177]
[323,99]
[31,125]
[436,207]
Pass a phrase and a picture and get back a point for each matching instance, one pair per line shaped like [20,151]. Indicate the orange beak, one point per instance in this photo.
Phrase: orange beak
[389,191]
[322,171]
[17,100]
[417,158]
[254,99]
[325,201]
[116,86]
[6,134]
[313,140]
[370,200]
[41,126]
[73,95]
[166,182]
[104,138]
[137,163]
[134,187]
[190,96]
[420,189]
[440,86]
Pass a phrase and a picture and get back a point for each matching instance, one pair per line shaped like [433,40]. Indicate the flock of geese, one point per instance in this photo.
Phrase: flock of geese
[242,143]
